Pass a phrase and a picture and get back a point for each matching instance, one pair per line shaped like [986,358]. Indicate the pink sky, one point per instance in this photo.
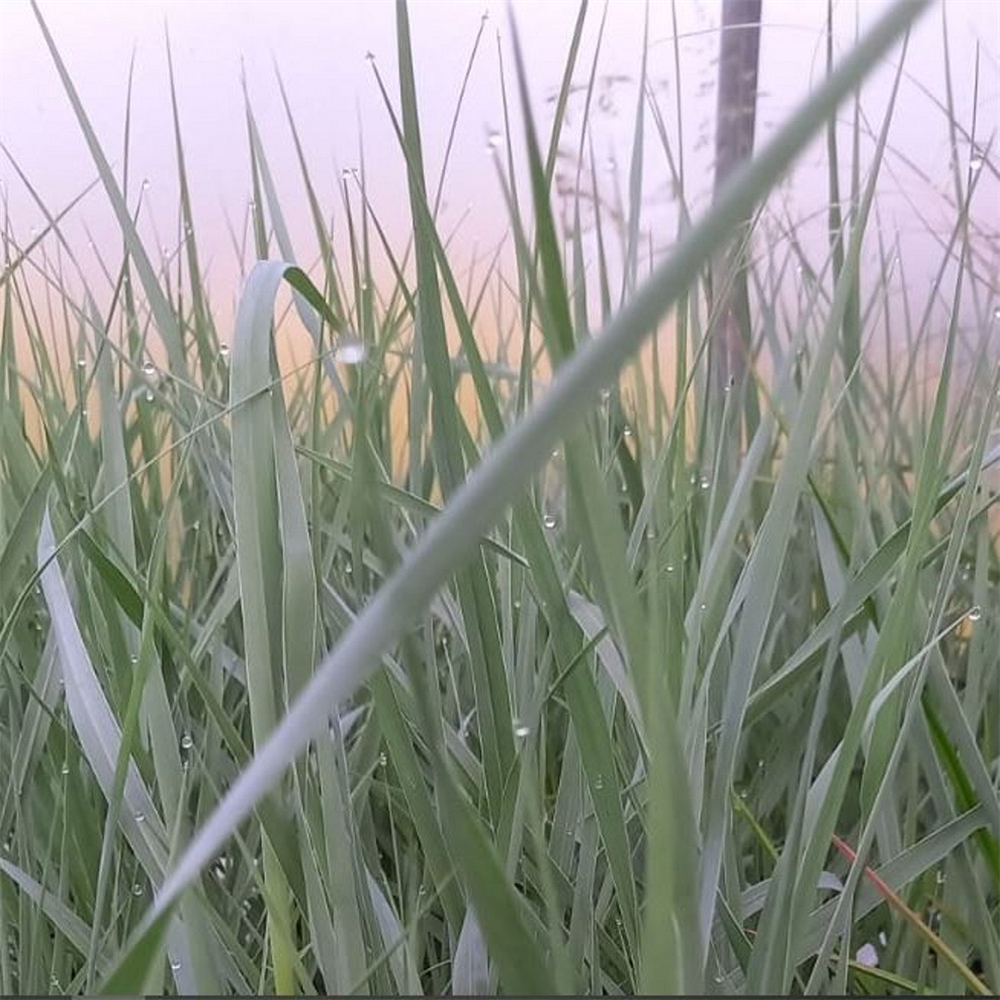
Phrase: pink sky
[320,49]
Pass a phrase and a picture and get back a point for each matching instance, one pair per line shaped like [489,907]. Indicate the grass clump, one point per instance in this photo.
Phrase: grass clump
[601,685]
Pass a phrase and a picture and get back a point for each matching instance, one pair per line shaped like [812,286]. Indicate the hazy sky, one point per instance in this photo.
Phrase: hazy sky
[320,50]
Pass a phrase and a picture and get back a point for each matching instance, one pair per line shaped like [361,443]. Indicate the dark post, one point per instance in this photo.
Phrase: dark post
[736,115]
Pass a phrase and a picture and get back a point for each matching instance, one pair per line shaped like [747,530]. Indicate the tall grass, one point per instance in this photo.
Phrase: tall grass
[590,683]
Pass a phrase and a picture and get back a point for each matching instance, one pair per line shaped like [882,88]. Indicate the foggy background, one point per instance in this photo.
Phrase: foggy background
[327,55]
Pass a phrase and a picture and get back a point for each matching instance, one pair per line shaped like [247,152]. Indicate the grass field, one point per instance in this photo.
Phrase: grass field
[444,662]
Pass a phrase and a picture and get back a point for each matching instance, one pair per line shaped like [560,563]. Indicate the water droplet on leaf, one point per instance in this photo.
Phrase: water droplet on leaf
[350,352]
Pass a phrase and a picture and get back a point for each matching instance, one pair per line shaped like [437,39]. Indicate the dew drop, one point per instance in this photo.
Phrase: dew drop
[705,482]
[627,430]
[494,140]
[550,521]
[64,769]
[383,759]
[137,889]
[599,781]
[224,352]
[975,613]
[976,163]
[521,731]
[670,567]
[81,362]
[939,878]
[133,659]
[145,185]
[175,966]
[350,352]
[149,369]
[996,313]
[140,817]
[605,395]
[149,395]
[186,741]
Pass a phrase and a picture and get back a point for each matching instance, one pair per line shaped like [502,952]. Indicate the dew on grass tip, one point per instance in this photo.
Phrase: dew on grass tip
[350,352]
[975,613]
